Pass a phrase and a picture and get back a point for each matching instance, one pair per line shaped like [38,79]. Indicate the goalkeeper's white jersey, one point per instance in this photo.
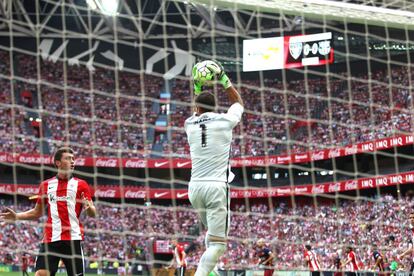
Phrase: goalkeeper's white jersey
[210,136]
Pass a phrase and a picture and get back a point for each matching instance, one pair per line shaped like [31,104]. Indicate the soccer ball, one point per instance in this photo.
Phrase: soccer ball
[204,72]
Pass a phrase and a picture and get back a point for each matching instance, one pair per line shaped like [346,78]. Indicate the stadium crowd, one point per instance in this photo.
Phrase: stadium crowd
[102,117]
[124,232]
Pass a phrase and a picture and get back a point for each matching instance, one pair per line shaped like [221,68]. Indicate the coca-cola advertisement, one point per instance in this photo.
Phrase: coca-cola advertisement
[135,163]
[113,191]
[80,162]
[108,193]
[129,193]
[255,161]
[351,185]
[319,155]
[318,189]
[106,162]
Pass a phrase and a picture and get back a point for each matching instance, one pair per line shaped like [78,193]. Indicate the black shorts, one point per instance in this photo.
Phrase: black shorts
[70,252]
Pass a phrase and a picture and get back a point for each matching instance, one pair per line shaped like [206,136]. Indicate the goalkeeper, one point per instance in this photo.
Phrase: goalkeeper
[209,135]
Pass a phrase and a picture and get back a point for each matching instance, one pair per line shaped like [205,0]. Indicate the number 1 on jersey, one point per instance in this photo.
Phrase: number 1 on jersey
[203,135]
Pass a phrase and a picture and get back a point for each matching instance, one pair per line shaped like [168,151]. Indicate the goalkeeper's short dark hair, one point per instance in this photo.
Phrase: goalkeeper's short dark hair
[206,101]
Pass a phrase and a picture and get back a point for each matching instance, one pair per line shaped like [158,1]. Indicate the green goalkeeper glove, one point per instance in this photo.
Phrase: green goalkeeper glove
[221,75]
[197,88]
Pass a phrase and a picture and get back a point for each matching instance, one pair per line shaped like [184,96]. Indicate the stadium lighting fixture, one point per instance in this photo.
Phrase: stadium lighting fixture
[107,7]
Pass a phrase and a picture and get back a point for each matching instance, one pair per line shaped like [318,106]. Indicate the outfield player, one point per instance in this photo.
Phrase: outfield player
[25,264]
[312,260]
[209,135]
[409,251]
[64,197]
[265,256]
[378,259]
[179,258]
[351,263]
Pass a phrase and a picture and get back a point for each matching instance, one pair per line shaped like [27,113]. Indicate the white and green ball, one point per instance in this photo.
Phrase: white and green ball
[202,72]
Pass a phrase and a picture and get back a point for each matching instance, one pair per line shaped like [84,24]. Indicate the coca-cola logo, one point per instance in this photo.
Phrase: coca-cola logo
[334,153]
[351,150]
[111,163]
[334,187]
[105,193]
[246,162]
[10,158]
[318,189]
[3,157]
[260,193]
[135,163]
[6,189]
[272,160]
[320,155]
[351,185]
[80,161]
[135,194]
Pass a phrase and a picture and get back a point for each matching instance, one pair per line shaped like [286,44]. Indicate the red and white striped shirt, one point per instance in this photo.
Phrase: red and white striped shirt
[312,260]
[353,265]
[179,255]
[63,200]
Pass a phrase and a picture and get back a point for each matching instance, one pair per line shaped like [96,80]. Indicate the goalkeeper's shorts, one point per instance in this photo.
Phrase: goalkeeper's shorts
[212,202]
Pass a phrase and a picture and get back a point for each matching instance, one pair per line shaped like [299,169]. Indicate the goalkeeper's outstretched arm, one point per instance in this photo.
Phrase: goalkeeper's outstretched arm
[234,95]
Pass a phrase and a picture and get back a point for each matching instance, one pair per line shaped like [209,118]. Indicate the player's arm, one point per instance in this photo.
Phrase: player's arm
[232,93]
[406,252]
[32,214]
[172,263]
[307,259]
[90,208]
[183,258]
[234,96]
[269,259]
[346,262]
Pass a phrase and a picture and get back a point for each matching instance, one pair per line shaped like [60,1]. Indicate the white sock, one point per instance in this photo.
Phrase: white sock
[210,257]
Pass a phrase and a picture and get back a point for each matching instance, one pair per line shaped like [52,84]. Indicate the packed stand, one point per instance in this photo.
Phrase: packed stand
[125,232]
[92,114]
[100,117]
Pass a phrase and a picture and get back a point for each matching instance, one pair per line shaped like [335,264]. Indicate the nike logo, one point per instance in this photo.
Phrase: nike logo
[157,195]
[179,164]
[180,195]
[157,165]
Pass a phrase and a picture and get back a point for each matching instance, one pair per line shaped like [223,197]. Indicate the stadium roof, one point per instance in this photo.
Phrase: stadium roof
[159,19]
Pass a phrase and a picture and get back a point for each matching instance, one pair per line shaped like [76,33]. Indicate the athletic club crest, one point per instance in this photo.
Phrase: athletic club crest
[295,49]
